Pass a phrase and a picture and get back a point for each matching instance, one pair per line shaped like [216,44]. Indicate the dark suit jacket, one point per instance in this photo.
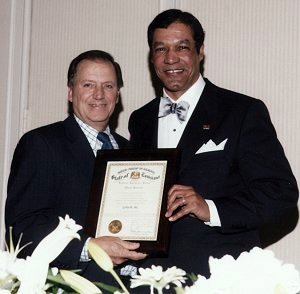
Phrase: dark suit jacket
[51,175]
[250,181]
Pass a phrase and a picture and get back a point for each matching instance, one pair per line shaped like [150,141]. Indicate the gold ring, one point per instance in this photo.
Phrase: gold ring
[183,201]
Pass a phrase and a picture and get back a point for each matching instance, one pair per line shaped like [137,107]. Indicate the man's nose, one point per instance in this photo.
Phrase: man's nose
[171,57]
[99,94]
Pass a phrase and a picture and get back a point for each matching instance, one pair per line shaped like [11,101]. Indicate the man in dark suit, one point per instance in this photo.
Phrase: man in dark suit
[52,167]
[233,175]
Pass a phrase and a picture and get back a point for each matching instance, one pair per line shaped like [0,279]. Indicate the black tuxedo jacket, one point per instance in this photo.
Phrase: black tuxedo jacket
[51,175]
[250,181]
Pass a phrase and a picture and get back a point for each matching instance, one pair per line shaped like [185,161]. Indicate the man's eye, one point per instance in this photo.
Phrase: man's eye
[109,86]
[160,49]
[88,85]
[183,48]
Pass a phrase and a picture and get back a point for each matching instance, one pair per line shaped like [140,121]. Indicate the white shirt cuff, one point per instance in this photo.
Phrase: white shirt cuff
[214,215]
[84,256]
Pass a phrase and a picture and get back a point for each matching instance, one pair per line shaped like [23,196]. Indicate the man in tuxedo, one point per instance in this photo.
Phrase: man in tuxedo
[52,167]
[233,175]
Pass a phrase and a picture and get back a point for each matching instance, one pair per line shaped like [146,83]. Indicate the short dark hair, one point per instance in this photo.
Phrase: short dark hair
[94,55]
[167,17]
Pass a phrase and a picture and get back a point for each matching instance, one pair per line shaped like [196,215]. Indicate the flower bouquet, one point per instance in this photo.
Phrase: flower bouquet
[253,272]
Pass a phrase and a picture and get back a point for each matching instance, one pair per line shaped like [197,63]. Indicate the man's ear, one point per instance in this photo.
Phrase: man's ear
[70,93]
[118,97]
[201,52]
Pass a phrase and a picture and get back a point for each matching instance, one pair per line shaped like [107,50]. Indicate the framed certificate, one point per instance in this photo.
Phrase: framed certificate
[129,197]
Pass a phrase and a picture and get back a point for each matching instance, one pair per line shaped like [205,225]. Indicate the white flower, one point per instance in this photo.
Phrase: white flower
[157,279]
[257,271]
[54,243]
[34,272]
[10,266]
[2,291]
[54,271]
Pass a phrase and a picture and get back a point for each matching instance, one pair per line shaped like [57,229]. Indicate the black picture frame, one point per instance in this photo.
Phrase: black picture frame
[158,247]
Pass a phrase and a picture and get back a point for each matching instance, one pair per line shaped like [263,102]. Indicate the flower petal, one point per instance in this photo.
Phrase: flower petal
[78,283]
[54,243]
[100,257]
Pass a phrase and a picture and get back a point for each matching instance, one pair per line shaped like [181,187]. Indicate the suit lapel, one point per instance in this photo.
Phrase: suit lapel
[79,145]
[154,122]
[201,126]
[151,125]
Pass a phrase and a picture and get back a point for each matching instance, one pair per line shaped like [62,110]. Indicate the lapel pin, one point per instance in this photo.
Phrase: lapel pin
[206,127]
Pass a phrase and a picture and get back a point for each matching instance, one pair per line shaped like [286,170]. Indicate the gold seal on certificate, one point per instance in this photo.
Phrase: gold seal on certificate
[129,196]
[115,226]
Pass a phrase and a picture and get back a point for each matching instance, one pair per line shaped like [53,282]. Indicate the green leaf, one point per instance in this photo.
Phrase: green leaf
[106,287]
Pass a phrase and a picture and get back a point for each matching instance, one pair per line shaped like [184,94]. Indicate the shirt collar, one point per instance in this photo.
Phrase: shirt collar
[192,95]
[90,133]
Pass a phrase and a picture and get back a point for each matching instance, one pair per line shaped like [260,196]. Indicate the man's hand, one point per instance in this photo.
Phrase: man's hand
[186,201]
[119,250]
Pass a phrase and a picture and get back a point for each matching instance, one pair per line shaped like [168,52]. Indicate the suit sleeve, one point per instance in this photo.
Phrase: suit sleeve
[32,196]
[267,189]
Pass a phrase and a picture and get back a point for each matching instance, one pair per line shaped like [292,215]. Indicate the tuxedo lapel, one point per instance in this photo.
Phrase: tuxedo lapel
[202,124]
[150,131]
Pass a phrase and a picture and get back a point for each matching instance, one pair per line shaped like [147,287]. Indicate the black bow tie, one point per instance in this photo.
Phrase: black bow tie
[166,107]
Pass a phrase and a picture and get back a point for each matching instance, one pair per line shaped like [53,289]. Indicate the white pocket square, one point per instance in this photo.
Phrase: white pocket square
[211,146]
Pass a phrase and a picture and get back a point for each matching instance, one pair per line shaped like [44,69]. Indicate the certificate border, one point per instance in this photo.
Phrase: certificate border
[136,165]
[153,248]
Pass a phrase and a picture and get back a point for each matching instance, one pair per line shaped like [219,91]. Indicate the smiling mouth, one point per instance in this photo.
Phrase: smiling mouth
[173,71]
[98,105]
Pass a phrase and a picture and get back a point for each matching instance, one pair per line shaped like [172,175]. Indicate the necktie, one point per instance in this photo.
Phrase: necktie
[166,107]
[104,138]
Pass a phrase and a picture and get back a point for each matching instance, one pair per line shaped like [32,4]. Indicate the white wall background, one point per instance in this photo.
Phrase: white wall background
[252,46]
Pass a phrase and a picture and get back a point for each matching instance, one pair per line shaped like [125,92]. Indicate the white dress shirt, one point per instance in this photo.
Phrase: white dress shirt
[170,130]
[91,135]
